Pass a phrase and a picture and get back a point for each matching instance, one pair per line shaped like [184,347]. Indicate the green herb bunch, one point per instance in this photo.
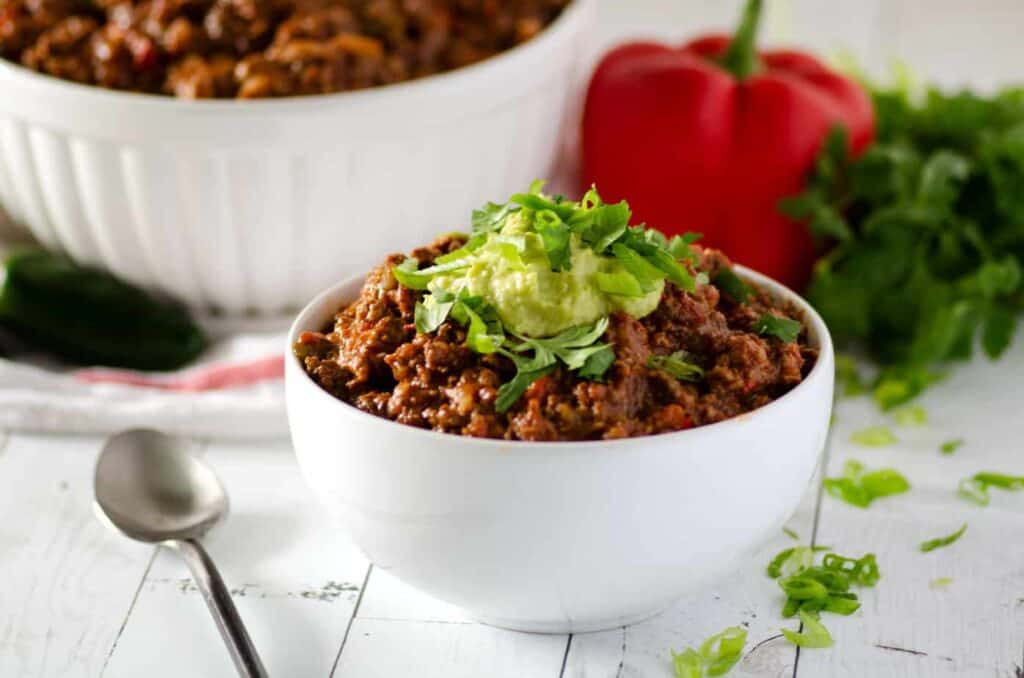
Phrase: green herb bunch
[646,257]
[928,227]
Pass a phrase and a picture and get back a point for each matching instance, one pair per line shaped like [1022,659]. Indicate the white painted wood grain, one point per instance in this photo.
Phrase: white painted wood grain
[295,579]
[746,597]
[65,582]
[975,626]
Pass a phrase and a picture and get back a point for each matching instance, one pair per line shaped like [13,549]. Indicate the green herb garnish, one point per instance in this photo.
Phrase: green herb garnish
[928,226]
[811,589]
[975,489]
[874,436]
[733,285]
[677,365]
[858,488]
[814,635]
[910,415]
[784,329]
[940,582]
[951,446]
[715,657]
[791,534]
[645,258]
[939,542]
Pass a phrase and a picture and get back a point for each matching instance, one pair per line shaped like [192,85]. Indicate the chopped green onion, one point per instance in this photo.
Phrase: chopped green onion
[951,446]
[814,635]
[940,582]
[716,656]
[874,436]
[975,488]
[858,488]
[911,415]
[784,329]
[791,534]
[409,275]
[622,283]
[688,664]
[939,542]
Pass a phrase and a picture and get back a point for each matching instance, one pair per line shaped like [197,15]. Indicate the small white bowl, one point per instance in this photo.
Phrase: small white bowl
[559,537]
[258,205]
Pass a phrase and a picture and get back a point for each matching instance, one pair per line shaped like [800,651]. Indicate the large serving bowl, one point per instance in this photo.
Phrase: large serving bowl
[558,537]
[258,205]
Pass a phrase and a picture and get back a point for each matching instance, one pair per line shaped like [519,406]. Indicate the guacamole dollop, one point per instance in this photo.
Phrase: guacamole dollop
[512,271]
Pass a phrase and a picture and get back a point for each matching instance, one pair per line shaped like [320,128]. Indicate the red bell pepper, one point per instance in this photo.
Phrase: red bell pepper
[709,137]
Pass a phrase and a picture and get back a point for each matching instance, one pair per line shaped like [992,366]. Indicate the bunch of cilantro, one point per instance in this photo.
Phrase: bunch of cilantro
[928,227]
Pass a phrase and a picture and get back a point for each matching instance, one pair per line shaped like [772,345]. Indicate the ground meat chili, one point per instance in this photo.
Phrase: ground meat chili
[260,48]
[373,358]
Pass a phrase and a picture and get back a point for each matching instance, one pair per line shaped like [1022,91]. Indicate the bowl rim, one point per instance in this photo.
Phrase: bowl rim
[486,69]
[296,374]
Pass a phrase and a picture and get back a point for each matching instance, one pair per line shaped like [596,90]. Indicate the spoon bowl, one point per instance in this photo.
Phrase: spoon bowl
[151,488]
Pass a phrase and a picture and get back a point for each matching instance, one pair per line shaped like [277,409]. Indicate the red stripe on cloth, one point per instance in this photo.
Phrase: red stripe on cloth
[212,378]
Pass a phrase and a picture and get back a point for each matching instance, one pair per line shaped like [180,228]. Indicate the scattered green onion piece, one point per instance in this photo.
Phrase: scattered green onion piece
[951,446]
[791,534]
[688,664]
[814,635]
[910,415]
[874,436]
[940,582]
[939,542]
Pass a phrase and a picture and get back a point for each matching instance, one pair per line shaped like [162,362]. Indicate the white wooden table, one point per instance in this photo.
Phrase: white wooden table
[77,600]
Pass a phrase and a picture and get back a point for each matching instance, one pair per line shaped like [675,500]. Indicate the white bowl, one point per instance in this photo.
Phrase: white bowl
[258,205]
[559,537]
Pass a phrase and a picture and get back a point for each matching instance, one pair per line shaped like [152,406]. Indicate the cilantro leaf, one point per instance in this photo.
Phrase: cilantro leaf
[676,365]
[783,329]
[733,285]
[597,364]
[513,390]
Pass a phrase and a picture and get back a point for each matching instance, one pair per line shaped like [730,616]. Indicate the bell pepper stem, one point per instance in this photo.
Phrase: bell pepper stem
[740,58]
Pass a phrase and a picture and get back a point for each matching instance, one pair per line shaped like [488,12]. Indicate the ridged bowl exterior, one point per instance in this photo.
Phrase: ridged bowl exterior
[559,537]
[257,205]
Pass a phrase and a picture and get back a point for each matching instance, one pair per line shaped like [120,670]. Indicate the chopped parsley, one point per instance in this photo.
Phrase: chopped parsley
[927,231]
[715,657]
[874,436]
[939,542]
[783,329]
[860,488]
[951,446]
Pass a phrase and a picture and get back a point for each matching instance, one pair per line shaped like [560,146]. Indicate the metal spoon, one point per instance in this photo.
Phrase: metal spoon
[150,488]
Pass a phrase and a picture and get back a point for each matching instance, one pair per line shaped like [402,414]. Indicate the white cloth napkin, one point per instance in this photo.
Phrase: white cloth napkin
[235,390]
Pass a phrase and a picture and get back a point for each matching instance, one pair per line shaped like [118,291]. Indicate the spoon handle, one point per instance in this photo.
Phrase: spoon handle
[218,599]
